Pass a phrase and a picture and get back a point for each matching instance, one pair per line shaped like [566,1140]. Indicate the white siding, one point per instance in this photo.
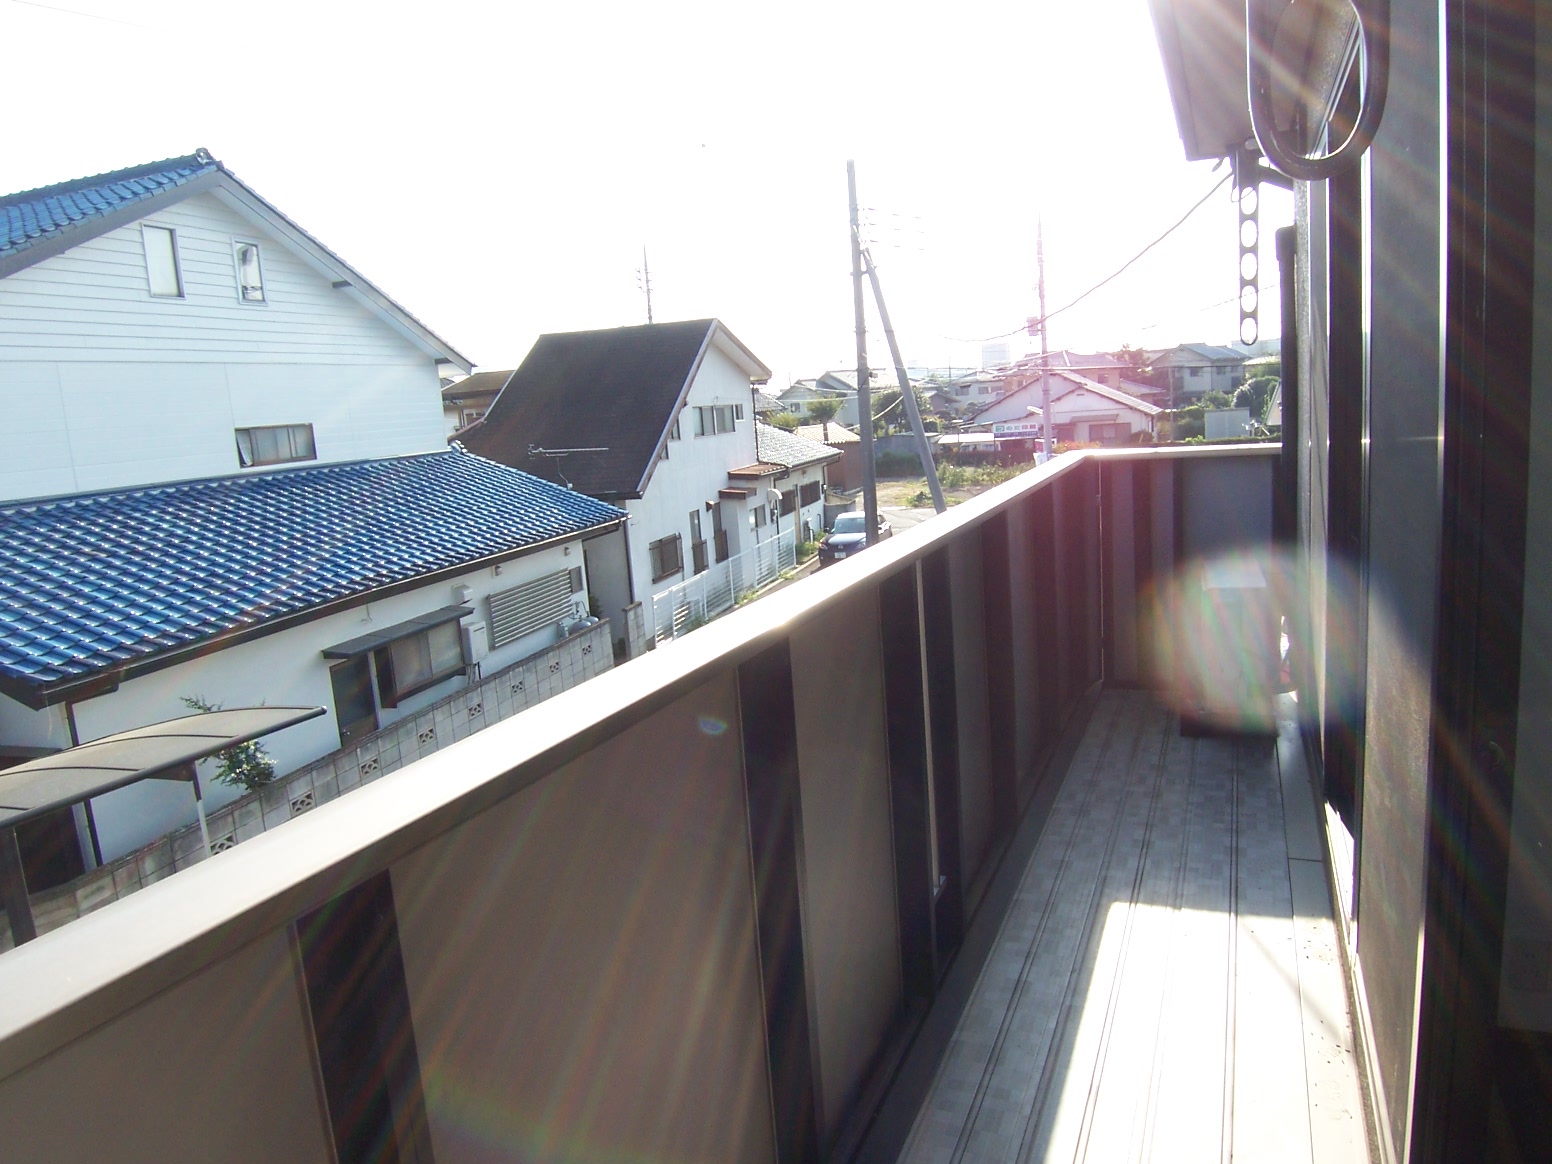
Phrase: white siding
[103,385]
[697,467]
[282,669]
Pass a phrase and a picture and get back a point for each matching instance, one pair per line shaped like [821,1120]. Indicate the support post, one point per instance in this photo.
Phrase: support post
[907,393]
[864,391]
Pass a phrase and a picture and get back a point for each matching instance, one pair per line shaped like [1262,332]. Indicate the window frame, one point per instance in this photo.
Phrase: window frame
[258,259]
[655,561]
[250,458]
[385,668]
[177,265]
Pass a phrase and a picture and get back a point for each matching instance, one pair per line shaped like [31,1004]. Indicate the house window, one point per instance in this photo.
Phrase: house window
[161,254]
[1195,372]
[665,557]
[757,516]
[697,543]
[719,534]
[789,501]
[1110,434]
[717,418]
[275,444]
[673,430]
[808,492]
[250,275]
[418,661]
[530,606]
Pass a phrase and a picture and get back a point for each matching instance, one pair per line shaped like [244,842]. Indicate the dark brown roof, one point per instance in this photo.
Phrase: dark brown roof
[479,384]
[615,390]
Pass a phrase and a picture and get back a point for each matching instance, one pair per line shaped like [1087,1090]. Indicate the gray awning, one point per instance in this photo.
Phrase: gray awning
[90,769]
[362,644]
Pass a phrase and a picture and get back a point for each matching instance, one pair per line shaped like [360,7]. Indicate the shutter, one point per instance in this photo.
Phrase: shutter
[532,606]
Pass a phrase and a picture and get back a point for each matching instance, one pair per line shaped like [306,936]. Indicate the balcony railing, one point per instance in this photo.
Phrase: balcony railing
[693,910]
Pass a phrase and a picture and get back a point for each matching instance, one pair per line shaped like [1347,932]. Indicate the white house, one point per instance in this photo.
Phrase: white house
[166,323]
[1082,410]
[372,589]
[242,490]
[796,467]
[657,419]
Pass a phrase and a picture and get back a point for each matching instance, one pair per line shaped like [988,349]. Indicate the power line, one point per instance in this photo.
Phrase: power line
[76,12]
[1123,267]
[1108,278]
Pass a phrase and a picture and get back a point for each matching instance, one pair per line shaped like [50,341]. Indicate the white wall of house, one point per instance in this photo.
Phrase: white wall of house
[696,468]
[104,385]
[1093,415]
[286,668]
[811,515]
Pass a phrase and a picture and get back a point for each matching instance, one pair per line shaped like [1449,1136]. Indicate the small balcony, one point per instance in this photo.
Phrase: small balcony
[907,861]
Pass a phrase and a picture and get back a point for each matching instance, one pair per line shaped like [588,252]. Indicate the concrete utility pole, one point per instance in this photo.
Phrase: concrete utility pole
[864,392]
[907,393]
[1047,445]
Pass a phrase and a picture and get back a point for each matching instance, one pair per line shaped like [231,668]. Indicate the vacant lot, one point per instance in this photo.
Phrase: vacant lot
[959,483]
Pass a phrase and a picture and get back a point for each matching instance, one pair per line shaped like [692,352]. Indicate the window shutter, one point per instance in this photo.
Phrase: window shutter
[531,606]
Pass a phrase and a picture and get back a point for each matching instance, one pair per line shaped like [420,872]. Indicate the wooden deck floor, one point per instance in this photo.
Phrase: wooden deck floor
[1166,984]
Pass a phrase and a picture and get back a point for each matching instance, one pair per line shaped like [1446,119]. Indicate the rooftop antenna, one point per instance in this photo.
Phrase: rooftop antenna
[556,454]
[644,281]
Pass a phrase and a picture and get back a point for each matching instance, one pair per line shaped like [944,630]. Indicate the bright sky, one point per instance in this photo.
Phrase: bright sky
[497,168]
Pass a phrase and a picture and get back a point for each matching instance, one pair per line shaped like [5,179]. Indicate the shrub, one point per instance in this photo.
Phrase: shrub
[245,766]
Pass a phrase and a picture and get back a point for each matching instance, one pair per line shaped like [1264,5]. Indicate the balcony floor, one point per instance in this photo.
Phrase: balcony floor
[1166,984]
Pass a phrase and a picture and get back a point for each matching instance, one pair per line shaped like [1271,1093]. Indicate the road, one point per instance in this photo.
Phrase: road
[903,519]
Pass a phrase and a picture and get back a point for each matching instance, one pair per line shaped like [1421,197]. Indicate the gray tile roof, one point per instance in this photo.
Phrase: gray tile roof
[788,449]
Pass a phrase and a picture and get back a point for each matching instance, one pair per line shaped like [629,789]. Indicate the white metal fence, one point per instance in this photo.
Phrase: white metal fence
[700,599]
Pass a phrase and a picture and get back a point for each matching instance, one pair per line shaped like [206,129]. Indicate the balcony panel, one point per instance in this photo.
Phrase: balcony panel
[696,908]
[581,956]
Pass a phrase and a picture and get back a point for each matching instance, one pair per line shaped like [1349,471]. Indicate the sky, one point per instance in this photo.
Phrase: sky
[498,169]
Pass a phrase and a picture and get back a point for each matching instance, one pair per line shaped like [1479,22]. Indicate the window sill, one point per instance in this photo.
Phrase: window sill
[410,692]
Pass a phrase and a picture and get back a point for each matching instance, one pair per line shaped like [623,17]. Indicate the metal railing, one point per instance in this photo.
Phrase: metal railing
[691,909]
[716,589]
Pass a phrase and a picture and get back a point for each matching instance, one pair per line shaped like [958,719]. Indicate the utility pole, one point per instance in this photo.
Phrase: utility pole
[907,393]
[1046,443]
[864,392]
[646,282]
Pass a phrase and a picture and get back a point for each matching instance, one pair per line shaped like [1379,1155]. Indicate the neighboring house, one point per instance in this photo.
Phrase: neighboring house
[801,480]
[1096,366]
[1190,371]
[653,418]
[466,400]
[845,473]
[1082,410]
[372,588]
[766,403]
[800,396]
[240,448]
[193,330]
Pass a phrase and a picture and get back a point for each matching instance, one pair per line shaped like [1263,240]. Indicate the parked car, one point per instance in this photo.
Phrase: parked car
[849,535]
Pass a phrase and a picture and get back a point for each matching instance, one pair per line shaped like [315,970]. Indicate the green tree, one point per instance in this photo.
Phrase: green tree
[783,420]
[1256,395]
[889,413]
[822,412]
[245,766]
[1216,399]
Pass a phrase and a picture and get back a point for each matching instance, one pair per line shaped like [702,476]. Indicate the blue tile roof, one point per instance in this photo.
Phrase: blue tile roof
[95,581]
[33,215]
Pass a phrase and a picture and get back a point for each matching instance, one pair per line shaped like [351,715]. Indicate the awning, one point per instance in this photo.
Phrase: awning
[729,494]
[80,773]
[363,644]
[756,471]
